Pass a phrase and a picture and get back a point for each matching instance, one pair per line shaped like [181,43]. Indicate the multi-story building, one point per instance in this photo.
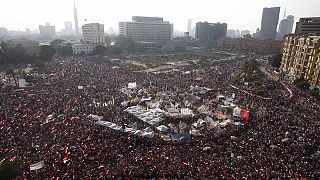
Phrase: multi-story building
[260,46]
[301,57]
[68,27]
[210,32]
[93,33]
[231,33]
[269,23]
[308,25]
[285,26]
[82,49]
[149,29]
[47,31]
[189,26]
[32,48]
[3,31]
[245,32]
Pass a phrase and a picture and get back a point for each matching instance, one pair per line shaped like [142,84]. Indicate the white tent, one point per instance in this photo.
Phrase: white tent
[132,85]
[162,128]
[186,111]
[237,111]
[95,117]
[199,123]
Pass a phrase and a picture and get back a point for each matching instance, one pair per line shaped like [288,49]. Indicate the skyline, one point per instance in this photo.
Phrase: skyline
[176,13]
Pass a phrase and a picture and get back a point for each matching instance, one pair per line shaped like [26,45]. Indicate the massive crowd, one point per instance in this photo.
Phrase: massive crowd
[280,142]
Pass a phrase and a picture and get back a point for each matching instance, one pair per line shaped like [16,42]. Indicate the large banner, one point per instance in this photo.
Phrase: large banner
[37,166]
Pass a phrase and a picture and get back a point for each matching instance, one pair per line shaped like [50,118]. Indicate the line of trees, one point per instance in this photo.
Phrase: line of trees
[14,55]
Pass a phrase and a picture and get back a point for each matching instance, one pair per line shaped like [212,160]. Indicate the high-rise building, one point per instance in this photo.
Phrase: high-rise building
[68,27]
[210,32]
[93,33]
[269,22]
[301,57]
[152,29]
[237,34]
[285,26]
[75,14]
[308,25]
[231,33]
[189,25]
[3,31]
[256,45]
[47,31]
[245,32]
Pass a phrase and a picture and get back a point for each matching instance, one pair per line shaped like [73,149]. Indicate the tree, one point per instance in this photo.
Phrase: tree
[47,52]
[99,49]
[126,43]
[57,42]
[1,56]
[9,170]
[250,66]
[116,50]
[275,60]
[65,50]
[108,40]
[11,72]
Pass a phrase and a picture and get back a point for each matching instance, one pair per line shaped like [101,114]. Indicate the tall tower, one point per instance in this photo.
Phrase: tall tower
[269,22]
[75,18]
[189,25]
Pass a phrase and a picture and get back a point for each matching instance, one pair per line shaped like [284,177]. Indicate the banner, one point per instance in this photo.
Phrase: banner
[37,166]
[22,83]
[132,85]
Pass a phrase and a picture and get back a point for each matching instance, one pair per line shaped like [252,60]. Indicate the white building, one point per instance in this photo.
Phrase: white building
[47,30]
[68,27]
[82,49]
[93,33]
[147,29]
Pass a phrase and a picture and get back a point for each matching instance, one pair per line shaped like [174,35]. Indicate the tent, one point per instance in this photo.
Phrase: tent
[162,128]
[132,85]
[199,123]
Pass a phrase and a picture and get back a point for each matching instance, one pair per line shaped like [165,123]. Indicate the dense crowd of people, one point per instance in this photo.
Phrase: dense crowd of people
[281,141]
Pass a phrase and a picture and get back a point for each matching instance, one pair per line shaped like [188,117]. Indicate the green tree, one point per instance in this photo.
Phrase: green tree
[99,49]
[9,170]
[275,60]
[126,43]
[65,50]
[47,52]
[57,42]
[250,66]
[16,55]
[108,40]
[303,85]
[116,50]
[11,72]
[2,57]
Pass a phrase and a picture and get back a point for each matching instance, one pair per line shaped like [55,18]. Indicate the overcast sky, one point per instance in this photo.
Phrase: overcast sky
[238,14]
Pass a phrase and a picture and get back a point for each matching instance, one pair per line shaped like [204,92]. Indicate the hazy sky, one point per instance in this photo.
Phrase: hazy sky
[238,14]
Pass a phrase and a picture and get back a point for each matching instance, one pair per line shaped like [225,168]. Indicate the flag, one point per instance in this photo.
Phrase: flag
[65,159]
[12,159]
[244,115]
